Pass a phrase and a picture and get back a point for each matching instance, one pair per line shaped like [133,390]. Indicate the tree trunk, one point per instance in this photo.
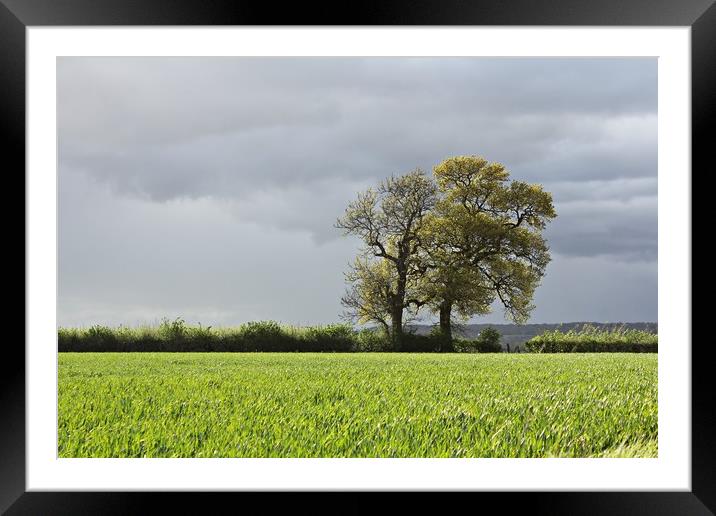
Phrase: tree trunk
[397,328]
[445,326]
[398,301]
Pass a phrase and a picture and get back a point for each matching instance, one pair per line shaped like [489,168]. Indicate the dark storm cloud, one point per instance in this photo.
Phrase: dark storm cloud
[172,127]
[280,145]
[625,230]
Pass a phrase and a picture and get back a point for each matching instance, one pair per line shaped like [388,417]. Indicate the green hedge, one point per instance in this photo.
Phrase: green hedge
[263,336]
[589,339]
[476,346]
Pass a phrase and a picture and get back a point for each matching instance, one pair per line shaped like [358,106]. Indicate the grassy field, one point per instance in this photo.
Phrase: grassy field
[357,405]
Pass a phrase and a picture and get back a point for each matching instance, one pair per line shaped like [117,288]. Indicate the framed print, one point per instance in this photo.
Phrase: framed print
[470,222]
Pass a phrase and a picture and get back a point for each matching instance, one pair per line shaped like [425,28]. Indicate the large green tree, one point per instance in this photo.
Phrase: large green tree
[483,241]
[450,288]
[389,220]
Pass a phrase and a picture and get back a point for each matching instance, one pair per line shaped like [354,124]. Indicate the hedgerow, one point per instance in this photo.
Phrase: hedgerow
[589,339]
[261,336]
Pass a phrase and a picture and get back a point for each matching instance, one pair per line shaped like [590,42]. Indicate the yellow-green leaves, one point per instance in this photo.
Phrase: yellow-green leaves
[483,239]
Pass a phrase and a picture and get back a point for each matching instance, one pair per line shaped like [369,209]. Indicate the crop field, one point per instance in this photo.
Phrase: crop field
[357,405]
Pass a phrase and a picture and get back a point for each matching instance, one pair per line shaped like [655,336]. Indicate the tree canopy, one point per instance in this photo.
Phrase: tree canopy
[454,245]
[390,222]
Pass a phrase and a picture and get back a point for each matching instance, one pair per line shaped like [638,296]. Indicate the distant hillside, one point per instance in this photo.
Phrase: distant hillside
[517,334]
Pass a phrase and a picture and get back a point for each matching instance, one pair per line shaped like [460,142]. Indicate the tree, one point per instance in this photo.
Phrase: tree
[448,287]
[368,296]
[483,241]
[489,340]
[389,220]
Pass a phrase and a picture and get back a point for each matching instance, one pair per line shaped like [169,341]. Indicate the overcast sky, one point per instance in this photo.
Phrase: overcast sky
[207,188]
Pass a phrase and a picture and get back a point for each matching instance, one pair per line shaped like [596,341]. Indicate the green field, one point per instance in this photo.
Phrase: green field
[357,405]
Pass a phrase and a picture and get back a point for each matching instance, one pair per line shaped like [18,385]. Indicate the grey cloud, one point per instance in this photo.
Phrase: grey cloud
[187,258]
[176,127]
[175,172]
[620,189]
[623,229]
[147,100]
[597,289]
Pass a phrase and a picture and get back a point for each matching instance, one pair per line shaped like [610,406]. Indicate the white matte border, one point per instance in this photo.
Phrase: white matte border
[671,470]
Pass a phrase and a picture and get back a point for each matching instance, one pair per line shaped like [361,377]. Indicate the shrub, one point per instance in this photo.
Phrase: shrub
[489,338]
[99,337]
[264,336]
[333,337]
[488,341]
[176,335]
[413,343]
[371,339]
[589,339]
[443,342]
[172,330]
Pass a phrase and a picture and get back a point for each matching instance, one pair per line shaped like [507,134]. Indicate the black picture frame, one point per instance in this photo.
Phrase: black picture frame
[16,15]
